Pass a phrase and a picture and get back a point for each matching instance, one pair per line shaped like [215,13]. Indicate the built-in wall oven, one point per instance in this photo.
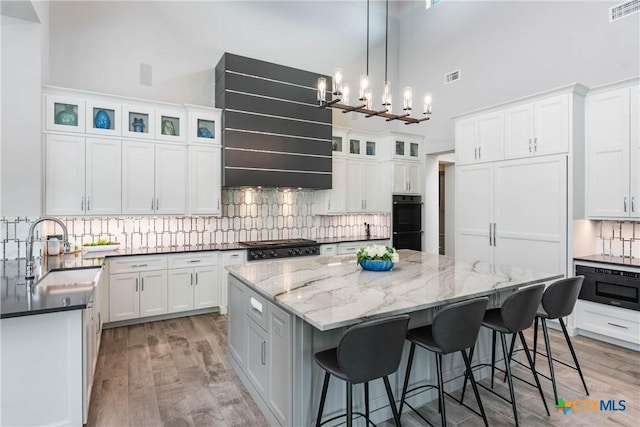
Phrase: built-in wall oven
[407,222]
[610,286]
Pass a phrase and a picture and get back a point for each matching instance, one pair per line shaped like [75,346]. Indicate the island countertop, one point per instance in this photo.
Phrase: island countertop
[332,292]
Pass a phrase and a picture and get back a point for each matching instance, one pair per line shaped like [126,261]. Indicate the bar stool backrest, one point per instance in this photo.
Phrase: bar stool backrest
[456,326]
[560,297]
[372,349]
[520,308]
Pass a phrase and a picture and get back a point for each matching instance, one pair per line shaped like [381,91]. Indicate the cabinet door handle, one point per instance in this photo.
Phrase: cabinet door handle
[142,284]
[475,153]
[82,203]
[490,234]
[328,204]
[157,203]
[88,203]
[218,203]
[191,282]
[196,279]
[495,227]
[529,144]
[617,326]
[136,285]
[152,203]
[479,152]
[535,144]
[625,204]
[98,324]
[633,204]
[263,348]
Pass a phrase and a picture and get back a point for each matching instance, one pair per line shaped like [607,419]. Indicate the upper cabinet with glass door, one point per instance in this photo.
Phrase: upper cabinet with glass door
[103,117]
[363,145]
[170,125]
[406,148]
[138,122]
[204,125]
[64,113]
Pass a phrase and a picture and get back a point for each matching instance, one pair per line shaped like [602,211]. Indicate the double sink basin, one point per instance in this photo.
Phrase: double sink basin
[60,281]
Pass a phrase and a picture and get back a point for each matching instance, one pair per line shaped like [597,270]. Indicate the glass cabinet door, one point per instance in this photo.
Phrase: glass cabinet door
[64,113]
[103,118]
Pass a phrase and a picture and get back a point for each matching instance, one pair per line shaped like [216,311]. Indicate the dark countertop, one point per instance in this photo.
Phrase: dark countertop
[611,260]
[16,301]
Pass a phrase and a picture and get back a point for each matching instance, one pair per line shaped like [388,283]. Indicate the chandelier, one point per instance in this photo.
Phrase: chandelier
[340,91]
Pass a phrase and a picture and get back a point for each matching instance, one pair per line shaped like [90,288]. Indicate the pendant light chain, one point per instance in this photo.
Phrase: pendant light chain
[386,42]
[367,38]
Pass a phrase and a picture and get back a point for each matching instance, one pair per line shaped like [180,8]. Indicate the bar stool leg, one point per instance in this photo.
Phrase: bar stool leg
[440,389]
[533,371]
[511,347]
[366,401]
[323,397]
[573,354]
[475,387]
[535,340]
[507,367]
[349,404]
[466,376]
[392,402]
[547,346]
[406,377]
[493,353]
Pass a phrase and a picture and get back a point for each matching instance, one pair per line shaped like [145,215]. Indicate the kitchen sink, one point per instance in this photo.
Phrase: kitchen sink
[83,279]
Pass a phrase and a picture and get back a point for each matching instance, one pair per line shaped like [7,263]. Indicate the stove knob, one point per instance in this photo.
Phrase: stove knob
[254,255]
[299,251]
[315,249]
[307,250]
[262,254]
[292,251]
[273,253]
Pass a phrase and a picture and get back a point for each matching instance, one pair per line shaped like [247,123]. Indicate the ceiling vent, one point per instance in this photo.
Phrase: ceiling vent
[624,9]
[455,75]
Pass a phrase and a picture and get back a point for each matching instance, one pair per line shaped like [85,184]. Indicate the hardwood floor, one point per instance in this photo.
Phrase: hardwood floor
[176,373]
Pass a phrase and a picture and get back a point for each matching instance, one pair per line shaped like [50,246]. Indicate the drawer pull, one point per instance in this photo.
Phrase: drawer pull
[194,260]
[617,326]
[138,265]
[256,305]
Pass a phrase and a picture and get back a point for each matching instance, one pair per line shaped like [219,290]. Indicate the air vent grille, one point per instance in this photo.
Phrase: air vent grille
[453,76]
[625,9]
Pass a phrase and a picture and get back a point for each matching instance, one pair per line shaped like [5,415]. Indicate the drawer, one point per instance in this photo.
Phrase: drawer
[257,308]
[614,322]
[193,259]
[349,248]
[137,263]
[329,250]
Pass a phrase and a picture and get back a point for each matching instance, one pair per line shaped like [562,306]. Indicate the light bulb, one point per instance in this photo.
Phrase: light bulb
[364,85]
[322,89]
[427,103]
[407,102]
[367,97]
[386,93]
[337,81]
[345,94]
[389,105]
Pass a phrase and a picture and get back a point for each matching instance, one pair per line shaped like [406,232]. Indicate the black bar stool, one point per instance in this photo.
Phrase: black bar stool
[455,328]
[515,315]
[367,351]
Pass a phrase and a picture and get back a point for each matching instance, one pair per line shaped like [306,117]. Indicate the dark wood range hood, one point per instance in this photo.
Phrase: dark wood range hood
[273,133]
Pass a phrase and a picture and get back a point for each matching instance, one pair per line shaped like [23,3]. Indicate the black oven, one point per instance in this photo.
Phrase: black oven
[610,286]
[407,222]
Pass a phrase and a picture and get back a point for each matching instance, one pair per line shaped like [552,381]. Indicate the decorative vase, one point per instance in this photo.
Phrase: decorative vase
[376,265]
[204,133]
[67,117]
[168,128]
[102,120]
[138,125]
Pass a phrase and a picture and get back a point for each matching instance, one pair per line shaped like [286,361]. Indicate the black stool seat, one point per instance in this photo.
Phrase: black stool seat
[493,320]
[455,328]
[367,351]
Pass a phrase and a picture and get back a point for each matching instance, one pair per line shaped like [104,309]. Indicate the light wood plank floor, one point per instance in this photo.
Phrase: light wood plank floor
[176,373]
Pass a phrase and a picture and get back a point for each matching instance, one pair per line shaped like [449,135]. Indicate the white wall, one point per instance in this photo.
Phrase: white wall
[24,45]
[510,49]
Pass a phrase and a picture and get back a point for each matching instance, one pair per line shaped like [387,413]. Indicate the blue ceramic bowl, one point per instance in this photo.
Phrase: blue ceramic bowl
[376,265]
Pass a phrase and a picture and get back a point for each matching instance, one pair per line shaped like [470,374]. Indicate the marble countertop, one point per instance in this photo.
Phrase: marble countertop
[611,260]
[332,292]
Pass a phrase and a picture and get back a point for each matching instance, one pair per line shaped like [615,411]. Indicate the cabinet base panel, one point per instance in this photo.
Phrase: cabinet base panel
[608,339]
[161,317]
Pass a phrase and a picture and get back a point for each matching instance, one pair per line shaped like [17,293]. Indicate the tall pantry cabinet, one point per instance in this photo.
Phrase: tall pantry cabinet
[513,179]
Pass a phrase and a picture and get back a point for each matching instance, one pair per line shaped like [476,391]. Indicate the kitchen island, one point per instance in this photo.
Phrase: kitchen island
[282,312]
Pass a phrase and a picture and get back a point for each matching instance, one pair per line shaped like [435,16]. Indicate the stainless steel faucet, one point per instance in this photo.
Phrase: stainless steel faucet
[65,242]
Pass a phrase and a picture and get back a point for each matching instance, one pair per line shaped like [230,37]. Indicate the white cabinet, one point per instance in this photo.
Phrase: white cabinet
[82,176]
[406,177]
[64,113]
[334,201]
[480,139]
[204,125]
[193,282]
[260,344]
[138,121]
[204,180]
[364,187]
[610,323]
[228,258]
[170,125]
[538,128]
[514,213]
[137,287]
[153,178]
[613,159]
[103,118]
[329,250]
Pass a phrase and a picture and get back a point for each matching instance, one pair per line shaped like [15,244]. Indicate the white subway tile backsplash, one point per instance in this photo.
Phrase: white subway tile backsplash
[618,238]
